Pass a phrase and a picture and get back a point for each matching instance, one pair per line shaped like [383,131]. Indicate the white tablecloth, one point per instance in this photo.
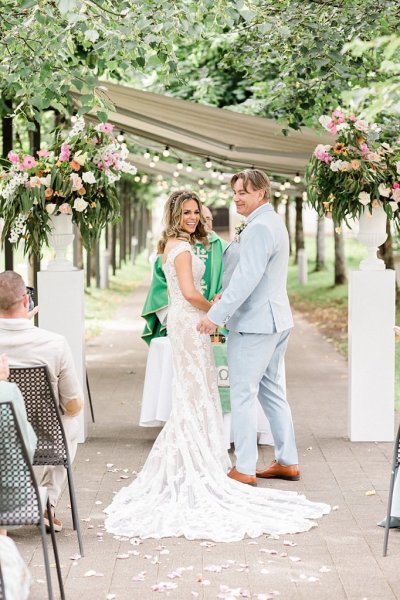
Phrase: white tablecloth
[156,402]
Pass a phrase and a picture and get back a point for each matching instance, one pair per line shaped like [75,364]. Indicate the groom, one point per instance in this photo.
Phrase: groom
[255,309]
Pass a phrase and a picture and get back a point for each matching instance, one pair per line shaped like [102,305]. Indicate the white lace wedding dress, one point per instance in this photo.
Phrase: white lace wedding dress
[183,489]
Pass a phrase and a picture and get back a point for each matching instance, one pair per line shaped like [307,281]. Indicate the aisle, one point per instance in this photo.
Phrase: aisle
[339,559]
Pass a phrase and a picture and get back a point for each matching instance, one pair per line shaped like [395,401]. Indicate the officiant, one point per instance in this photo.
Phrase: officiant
[156,304]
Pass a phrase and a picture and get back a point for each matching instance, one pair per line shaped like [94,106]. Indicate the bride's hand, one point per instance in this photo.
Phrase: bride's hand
[216,298]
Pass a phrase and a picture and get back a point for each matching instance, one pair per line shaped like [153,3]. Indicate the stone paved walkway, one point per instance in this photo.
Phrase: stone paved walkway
[340,559]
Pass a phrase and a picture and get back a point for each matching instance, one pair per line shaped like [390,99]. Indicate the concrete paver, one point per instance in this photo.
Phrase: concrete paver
[341,558]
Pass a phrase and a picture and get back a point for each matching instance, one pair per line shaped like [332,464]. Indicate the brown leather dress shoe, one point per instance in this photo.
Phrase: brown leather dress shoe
[237,476]
[278,471]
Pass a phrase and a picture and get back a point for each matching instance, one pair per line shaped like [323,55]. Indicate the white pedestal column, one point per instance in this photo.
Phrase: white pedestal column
[371,356]
[61,309]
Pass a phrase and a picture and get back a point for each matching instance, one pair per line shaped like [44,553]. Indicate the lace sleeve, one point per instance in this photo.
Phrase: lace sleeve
[178,249]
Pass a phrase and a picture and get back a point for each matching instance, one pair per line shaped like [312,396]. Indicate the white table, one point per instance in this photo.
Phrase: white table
[157,394]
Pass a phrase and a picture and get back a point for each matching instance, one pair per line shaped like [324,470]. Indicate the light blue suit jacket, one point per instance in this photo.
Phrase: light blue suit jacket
[254,298]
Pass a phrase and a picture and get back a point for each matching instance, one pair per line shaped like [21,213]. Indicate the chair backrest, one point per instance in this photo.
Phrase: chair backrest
[43,413]
[19,494]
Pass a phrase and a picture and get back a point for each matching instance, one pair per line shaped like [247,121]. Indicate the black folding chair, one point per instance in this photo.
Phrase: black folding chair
[44,415]
[395,471]
[89,397]
[20,498]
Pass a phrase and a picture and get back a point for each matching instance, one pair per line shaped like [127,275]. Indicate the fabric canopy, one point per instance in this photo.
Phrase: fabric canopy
[234,139]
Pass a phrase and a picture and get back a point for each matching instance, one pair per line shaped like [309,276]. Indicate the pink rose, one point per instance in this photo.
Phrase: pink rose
[338,116]
[29,162]
[42,153]
[396,186]
[13,157]
[364,149]
[65,209]
[106,127]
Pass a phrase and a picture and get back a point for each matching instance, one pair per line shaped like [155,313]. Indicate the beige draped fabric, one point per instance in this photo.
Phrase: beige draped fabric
[234,139]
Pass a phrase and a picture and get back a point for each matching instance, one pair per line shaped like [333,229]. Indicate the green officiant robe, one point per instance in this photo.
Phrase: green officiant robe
[157,297]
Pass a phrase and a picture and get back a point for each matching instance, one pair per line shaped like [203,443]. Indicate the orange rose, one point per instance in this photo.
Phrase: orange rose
[355,164]
[58,163]
[82,191]
[93,204]
[48,193]
[75,166]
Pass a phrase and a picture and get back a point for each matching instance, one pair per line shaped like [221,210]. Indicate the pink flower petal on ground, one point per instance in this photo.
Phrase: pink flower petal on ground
[313,579]
[207,544]
[336,507]
[283,554]
[121,556]
[289,543]
[75,557]
[93,573]
[205,582]
[135,541]
[324,569]
[134,552]
[164,586]
[111,596]
[295,558]
[252,543]
[213,568]
[139,577]
[165,551]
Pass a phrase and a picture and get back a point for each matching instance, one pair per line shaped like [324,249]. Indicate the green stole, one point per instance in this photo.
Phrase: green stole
[157,297]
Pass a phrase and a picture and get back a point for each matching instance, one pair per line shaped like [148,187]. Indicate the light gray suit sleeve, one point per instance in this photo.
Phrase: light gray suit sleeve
[256,248]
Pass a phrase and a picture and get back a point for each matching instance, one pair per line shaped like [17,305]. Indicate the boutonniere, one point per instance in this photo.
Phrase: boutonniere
[238,231]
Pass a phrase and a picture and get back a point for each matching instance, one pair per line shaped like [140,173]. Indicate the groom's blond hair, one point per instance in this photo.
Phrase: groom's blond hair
[257,179]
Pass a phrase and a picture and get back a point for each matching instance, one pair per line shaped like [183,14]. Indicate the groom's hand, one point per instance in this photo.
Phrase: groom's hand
[206,326]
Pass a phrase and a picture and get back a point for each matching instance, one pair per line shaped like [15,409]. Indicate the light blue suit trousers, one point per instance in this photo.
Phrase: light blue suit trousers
[256,370]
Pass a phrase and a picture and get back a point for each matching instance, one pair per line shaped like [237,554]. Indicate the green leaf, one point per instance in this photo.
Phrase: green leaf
[102,116]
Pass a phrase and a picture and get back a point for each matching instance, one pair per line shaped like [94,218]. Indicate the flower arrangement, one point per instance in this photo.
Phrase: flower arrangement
[355,171]
[76,177]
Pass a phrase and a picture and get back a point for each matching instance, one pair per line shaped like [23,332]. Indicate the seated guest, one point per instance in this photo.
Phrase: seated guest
[17,579]
[29,346]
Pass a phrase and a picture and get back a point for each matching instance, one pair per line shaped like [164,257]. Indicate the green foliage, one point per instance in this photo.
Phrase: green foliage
[50,46]
[283,58]
[383,92]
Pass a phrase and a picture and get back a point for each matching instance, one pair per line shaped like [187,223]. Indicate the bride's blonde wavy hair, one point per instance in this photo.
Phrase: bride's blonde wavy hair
[172,219]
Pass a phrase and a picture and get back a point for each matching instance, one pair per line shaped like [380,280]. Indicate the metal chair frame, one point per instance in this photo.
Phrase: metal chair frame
[52,450]
[395,471]
[90,397]
[2,589]
[30,512]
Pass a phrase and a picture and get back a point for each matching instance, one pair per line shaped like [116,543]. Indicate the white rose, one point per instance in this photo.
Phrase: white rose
[335,165]
[76,181]
[50,207]
[364,198]
[341,126]
[396,195]
[398,168]
[361,125]
[324,120]
[345,166]
[394,206]
[384,191]
[80,158]
[80,204]
[89,177]
[46,180]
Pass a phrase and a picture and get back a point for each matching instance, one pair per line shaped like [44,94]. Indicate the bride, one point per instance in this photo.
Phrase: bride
[183,488]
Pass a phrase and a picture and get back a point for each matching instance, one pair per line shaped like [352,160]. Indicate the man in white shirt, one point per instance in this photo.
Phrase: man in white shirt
[28,346]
